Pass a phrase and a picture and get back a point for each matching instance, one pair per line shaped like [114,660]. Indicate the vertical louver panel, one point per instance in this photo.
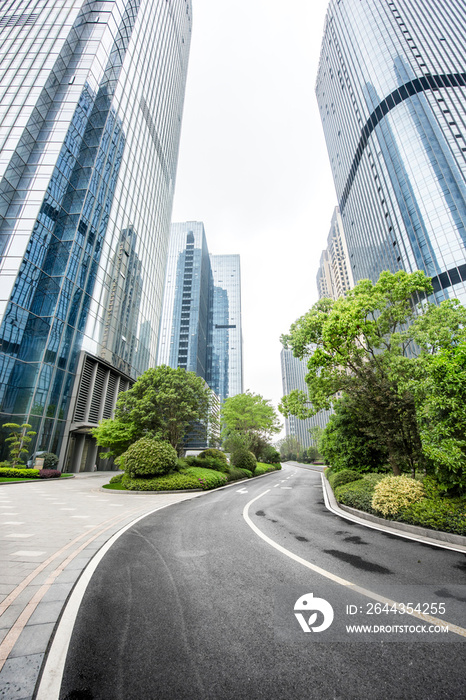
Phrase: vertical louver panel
[97,395]
[84,390]
[110,397]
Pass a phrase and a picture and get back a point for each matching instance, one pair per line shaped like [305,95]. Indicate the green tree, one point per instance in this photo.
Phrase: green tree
[441,400]
[164,403]
[346,442]
[290,448]
[364,345]
[248,419]
[18,440]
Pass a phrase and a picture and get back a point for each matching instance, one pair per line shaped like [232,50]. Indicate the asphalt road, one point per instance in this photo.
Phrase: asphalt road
[193,603]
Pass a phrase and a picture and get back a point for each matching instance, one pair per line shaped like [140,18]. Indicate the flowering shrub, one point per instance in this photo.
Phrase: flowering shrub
[393,493]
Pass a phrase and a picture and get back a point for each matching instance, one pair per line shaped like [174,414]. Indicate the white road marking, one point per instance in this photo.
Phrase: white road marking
[343,582]
[287,488]
[27,554]
[243,490]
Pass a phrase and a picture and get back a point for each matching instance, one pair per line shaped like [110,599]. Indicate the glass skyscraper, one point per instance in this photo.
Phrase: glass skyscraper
[294,373]
[391,89]
[90,113]
[201,320]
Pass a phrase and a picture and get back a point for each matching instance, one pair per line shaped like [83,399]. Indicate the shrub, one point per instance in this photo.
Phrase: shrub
[191,478]
[344,476]
[235,473]
[269,455]
[358,494]
[116,479]
[49,474]
[243,459]
[50,460]
[149,457]
[262,468]
[436,514]
[393,493]
[12,473]
[211,452]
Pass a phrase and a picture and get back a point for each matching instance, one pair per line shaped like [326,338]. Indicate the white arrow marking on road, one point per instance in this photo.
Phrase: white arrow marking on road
[241,491]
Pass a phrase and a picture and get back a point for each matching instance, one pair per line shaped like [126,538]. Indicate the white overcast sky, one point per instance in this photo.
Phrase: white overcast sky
[253,163]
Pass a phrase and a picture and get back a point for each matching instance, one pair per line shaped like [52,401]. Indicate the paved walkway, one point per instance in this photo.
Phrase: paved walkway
[49,532]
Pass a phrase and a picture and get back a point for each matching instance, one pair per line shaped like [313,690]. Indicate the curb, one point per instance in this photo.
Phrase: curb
[436,538]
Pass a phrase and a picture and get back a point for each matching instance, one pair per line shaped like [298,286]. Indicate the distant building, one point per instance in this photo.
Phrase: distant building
[294,372]
[334,277]
[200,328]
[391,89]
[225,364]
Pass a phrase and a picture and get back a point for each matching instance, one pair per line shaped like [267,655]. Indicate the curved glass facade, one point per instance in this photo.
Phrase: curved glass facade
[391,89]
[91,104]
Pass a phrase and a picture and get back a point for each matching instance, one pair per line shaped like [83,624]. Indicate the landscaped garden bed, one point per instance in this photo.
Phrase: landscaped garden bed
[399,498]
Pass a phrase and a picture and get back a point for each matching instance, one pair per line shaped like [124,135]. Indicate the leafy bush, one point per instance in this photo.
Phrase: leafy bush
[191,478]
[262,468]
[436,514]
[211,452]
[269,455]
[49,474]
[50,460]
[116,479]
[149,457]
[344,476]
[243,459]
[393,493]
[235,473]
[358,494]
[12,473]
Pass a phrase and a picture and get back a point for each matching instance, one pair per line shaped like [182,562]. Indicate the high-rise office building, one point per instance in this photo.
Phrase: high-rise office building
[334,277]
[184,327]
[91,105]
[225,373]
[391,89]
[201,319]
[294,372]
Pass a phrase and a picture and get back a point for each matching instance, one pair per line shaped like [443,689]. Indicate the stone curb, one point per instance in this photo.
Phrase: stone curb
[435,537]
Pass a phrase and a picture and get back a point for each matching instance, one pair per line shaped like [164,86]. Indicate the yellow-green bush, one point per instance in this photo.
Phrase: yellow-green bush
[393,493]
[13,473]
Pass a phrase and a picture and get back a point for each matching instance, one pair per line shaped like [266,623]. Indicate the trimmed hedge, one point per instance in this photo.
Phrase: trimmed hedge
[244,459]
[191,478]
[262,468]
[436,514]
[235,473]
[12,473]
[344,476]
[358,494]
[49,474]
[149,457]
[212,453]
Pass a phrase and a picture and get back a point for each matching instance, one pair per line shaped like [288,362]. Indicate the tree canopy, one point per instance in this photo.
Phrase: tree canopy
[367,345]
[250,418]
[164,403]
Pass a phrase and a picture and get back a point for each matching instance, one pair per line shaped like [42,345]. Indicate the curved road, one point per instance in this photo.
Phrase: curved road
[197,602]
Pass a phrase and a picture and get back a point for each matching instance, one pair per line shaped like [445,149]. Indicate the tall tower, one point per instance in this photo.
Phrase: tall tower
[92,99]
[184,327]
[226,341]
[334,277]
[201,319]
[391,89]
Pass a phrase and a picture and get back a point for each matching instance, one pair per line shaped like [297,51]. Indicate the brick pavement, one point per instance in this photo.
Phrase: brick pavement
[49,530]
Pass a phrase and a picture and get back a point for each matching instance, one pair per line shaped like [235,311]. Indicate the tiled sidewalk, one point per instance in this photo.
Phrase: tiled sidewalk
[48,533]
